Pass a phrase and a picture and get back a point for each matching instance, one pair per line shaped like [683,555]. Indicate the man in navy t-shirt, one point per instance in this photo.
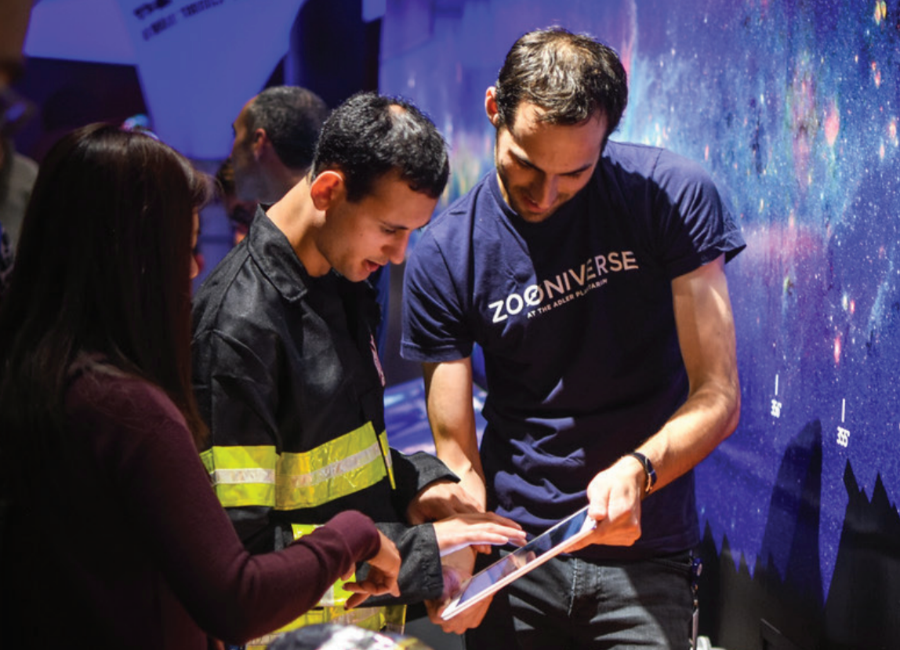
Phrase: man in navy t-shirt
[592,275]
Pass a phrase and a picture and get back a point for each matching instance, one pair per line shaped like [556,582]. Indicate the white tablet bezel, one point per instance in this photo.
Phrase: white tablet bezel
[548,544]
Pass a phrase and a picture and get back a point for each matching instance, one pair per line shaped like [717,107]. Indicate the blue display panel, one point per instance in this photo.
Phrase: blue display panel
[793,108]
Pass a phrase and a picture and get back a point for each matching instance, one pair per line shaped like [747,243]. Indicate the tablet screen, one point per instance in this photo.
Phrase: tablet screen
[540,549]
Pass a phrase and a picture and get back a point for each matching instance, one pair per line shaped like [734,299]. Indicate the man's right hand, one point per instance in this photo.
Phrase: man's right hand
[615,504]
[384,568]
[480,530]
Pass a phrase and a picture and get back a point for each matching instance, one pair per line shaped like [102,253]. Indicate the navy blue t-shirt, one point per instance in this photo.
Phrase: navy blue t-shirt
[575,318]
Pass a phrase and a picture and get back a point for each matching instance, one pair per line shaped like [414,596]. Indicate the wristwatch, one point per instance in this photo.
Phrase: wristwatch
[648,470]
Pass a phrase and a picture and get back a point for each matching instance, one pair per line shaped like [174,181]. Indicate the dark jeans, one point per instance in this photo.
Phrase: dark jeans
[571,603]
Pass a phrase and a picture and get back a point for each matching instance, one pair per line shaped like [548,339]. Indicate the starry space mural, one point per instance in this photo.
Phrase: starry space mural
[793,108]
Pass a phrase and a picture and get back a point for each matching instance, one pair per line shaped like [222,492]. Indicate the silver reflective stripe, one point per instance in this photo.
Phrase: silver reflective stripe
[335,469]
[243,475]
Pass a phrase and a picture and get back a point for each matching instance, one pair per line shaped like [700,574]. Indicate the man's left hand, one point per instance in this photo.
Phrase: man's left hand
[457,568]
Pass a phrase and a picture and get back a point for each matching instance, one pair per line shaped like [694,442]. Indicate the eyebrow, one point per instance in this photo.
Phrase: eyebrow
[528,163]
[392,226]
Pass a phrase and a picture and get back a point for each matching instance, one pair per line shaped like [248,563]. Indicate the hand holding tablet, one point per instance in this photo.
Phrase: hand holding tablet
[549,544]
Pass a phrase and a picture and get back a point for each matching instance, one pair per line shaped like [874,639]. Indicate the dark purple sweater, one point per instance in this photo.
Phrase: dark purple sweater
[126,546]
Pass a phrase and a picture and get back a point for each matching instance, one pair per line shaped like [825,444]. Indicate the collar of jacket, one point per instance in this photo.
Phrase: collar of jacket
[275,256]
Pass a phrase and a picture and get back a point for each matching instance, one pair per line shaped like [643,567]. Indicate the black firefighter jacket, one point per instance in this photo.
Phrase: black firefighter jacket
[287,380]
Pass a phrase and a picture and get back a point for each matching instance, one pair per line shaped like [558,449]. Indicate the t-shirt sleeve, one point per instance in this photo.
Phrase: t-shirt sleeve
[434,327]
[144,443]
[694,226]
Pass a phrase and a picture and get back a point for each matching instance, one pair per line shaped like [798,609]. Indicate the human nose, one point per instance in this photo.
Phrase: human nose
[397,249]
[545,190]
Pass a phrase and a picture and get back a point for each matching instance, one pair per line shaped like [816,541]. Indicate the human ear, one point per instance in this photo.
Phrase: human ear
[327,188]
[259,142]
[490,106]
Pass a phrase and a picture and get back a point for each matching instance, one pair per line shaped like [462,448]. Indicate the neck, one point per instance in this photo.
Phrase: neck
[274,180]
[282,180]
[298,219]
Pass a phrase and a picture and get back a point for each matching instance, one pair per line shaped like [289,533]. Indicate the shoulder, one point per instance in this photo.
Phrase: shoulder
[236,299]
[107,397]
[216,286]
[461,217]
[452,234]
[638,164]
[131,429]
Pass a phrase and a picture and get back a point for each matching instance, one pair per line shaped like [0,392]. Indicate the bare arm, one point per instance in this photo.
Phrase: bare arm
[708,416]
[448,395]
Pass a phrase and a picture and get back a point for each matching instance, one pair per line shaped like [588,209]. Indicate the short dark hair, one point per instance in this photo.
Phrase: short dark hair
[569,76]
[371,135]
[102,267]
[291,117]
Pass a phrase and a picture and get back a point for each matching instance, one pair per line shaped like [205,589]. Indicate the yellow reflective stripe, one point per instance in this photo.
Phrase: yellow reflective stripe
[207,458]
[258,476]
[336,594]
[242,476]
[386,452]
[369,618]
[300,530]
[395,618]
[336,469]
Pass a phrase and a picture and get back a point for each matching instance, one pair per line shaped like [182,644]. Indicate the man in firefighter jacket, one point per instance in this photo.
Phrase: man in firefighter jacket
[285,368]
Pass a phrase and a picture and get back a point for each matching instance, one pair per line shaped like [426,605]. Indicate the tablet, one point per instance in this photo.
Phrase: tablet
[549,544]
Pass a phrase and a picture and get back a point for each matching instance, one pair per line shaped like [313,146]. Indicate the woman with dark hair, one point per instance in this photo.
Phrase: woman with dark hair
[113,536]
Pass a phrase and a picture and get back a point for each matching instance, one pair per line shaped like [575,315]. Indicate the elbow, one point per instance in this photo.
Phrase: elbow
[722,402]
[720,399]
[239,613]
[732,409]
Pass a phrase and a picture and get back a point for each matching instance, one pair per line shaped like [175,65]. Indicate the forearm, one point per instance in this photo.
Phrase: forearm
[464,462]
[448,389]
[420,573]
[710,413]
[615,493]
[708,416]
[267,591]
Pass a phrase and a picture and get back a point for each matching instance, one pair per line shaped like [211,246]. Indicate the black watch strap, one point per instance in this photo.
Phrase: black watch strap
[648,470]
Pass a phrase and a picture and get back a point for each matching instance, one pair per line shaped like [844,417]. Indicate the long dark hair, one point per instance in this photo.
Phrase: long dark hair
[102,268]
